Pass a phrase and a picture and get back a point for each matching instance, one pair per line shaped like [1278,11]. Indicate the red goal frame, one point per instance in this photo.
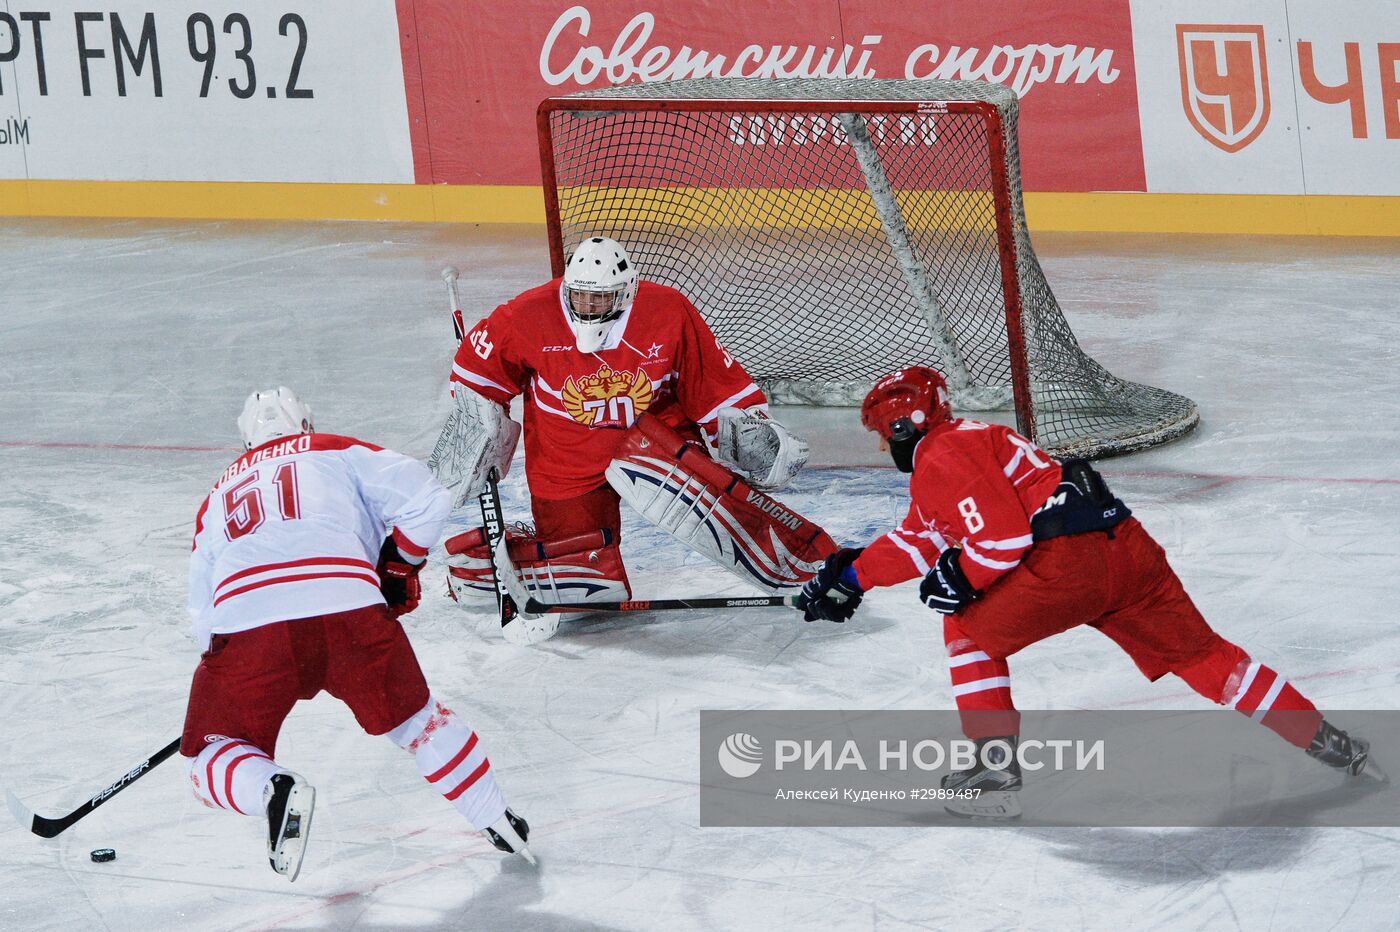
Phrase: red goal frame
[1002,196]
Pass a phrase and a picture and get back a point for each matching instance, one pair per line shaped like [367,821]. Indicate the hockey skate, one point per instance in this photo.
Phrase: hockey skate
[999,782]
[1341,751]
[509,834]
[289,800]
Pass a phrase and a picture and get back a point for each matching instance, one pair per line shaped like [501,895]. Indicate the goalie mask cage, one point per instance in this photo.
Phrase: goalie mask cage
[831,231]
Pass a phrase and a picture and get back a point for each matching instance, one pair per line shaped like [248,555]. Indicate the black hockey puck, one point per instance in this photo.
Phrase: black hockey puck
[104,854]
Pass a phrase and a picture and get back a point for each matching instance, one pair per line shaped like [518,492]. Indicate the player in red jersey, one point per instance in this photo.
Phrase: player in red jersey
[627,396]
[1015,546]
[306,553]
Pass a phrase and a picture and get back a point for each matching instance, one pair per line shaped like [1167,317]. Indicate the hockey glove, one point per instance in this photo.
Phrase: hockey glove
[398,580]
[945,589]
[834,593]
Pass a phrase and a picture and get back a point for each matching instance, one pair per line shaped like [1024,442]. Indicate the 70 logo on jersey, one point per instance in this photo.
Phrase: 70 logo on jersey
[618,410]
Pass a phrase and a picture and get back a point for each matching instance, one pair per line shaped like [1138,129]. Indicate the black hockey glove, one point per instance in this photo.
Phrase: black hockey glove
[398,580]
[833,594]
[945,589]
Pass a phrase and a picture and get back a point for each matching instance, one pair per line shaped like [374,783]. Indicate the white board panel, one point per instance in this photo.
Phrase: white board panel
[265,90]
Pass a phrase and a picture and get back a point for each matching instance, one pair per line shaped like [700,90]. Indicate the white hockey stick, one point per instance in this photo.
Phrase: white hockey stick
[517,625]
[459,327]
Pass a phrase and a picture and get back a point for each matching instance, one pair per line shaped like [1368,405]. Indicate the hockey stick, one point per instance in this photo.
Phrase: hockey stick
[664,605]
[48,828]
[459,327]
[528,627]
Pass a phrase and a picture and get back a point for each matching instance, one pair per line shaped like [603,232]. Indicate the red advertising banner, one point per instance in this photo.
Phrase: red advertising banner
[475,72]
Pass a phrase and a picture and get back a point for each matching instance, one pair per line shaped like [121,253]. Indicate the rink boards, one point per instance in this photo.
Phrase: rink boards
[1270,116]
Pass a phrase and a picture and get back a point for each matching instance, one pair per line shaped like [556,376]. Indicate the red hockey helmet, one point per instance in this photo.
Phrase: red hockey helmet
[906,402]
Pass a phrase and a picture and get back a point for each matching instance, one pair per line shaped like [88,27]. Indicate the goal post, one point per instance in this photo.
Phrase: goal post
[831,230]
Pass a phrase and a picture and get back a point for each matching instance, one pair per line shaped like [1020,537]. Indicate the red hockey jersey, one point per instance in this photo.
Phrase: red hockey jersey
[660,357]
[974,486]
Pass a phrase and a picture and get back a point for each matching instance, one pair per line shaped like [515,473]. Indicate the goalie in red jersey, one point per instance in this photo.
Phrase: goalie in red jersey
[1015,546]
[628,396]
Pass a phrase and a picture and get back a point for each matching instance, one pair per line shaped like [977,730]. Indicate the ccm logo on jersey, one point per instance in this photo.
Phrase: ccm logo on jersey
[561,348]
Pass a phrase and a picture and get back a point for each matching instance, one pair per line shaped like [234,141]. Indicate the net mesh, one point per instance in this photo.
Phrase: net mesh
[835,234]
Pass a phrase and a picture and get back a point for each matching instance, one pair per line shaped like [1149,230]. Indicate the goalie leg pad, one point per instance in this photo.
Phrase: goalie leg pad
[579,568]
[675,486]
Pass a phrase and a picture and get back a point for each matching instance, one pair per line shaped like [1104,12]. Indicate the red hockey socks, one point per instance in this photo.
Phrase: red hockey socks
[981,687]
[1229,677]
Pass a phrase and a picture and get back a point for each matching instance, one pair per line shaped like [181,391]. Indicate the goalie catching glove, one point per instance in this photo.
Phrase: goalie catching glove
[762,450]
[834,593]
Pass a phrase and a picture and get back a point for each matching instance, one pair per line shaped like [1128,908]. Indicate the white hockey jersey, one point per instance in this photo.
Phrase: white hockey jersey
[293,529]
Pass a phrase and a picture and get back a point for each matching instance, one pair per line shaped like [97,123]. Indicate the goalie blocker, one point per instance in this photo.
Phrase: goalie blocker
[675,486]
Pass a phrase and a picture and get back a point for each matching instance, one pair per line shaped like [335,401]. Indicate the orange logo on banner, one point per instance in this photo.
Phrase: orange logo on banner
[1224,82]
[607,398]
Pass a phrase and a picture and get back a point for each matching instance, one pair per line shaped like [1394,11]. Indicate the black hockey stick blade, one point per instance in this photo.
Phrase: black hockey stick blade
[663,605]
[48,828]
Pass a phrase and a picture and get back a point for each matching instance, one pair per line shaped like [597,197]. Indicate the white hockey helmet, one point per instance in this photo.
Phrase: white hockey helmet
[600,284]
[271,414]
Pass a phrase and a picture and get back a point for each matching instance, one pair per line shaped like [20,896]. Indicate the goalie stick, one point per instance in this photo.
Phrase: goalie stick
[48,828]
[665,605]
[516,626]
[459,327]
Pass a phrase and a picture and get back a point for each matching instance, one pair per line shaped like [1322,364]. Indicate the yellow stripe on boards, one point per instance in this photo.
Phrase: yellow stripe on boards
[1126,212]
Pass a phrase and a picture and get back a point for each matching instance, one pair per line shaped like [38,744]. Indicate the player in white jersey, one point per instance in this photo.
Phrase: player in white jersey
[306,552]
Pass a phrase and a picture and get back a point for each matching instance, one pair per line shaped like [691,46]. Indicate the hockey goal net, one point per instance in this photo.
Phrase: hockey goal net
[831,231]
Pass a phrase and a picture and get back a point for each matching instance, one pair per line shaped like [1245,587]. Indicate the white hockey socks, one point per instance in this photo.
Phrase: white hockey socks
[452,759]
[231,774]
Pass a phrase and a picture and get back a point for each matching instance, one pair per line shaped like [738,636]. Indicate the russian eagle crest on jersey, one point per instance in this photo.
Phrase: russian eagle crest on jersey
[659,358]
[608,398]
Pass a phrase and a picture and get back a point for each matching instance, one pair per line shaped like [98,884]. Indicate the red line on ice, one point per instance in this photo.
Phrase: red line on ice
[144,447]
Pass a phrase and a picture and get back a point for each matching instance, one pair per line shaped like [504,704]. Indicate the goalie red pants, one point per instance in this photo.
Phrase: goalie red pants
[556,519]
[246,683]
[1122,586]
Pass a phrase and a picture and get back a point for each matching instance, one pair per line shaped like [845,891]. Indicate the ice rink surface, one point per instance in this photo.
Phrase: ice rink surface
[127,347]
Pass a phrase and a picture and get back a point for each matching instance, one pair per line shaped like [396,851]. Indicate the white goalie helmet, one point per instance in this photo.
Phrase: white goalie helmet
[271,414]
[600,284]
